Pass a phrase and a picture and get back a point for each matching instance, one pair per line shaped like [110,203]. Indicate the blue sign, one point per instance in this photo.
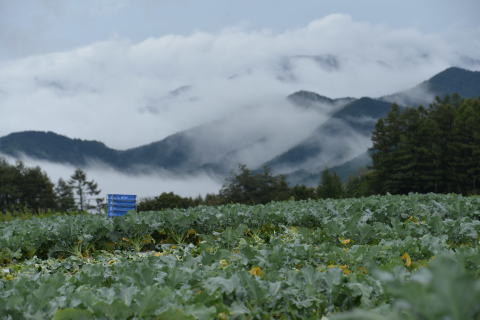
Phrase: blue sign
[120,204]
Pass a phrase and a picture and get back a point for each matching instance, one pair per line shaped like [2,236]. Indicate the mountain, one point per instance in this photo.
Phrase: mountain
[53,147]
[351,126]
[312,100]
[466,83]
[362,114]
[170,153]
[344,132]
[455,80]
[340,142]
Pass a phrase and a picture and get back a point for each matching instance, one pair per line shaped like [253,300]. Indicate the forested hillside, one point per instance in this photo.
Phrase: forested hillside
[432,149]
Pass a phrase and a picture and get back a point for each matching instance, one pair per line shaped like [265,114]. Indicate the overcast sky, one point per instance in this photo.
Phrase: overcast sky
[39,26]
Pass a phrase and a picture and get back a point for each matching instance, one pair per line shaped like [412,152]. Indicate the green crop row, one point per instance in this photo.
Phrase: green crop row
[244,274]
[392,257]
[363,221]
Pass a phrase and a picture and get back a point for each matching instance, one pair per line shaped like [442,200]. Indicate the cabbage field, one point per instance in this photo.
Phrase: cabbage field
[382,257]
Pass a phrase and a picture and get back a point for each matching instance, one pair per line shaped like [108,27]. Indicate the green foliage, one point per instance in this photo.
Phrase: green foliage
[444,290]
[359,185]
[248,187]
[434,149]
[72,314]
[28,191]
[65,197]
[26,215]
[288,260]
[25,189]
[84,188]
[167,200]
[330,186]
[301,192]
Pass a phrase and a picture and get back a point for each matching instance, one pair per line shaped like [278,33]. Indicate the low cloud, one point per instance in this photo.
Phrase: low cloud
[412,97]
[112,181]
[254,134]
[120,92]
[330,145]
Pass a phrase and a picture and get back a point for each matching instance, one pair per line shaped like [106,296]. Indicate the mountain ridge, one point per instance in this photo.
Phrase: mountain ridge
[336,142]
[359,117]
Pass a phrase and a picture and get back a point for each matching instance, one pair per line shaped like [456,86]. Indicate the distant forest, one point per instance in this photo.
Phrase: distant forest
[417,149]
[26,190]
[433,149]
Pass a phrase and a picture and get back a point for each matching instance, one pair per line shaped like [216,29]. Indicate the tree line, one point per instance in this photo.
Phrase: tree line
[253,187]
[418,149]
[428,149]
[30,190]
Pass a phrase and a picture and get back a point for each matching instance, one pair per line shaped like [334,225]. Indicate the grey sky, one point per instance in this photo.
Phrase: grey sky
[30,27]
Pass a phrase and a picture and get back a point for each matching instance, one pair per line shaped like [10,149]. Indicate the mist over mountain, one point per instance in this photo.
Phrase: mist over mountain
[453,80]
[355,122]
[315,101]
[344,136]
[339,141]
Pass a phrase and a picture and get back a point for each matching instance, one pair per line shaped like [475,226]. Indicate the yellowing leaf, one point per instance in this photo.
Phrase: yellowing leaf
[223,316]
[407,259]
[223,263]
[362,270]
[293,229]
[147,240]
[256,271]
[159,254]
[342,267]
[412,219]
[345,269]
[344,241]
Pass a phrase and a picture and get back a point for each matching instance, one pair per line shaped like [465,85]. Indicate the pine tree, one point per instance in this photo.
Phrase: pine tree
[442,112]
[65,197]
[36,189]
[386,139]
[465,135]
[301,192]
[254,187]
[434,149]
[474,169]
[359,185]
[330,186]
[10,192]
[83,189]
[413,170]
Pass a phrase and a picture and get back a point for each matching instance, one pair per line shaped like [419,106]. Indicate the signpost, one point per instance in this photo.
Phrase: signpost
[120,204]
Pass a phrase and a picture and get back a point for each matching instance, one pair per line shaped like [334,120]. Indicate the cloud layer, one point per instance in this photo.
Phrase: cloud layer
[126,94]
[111,181]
